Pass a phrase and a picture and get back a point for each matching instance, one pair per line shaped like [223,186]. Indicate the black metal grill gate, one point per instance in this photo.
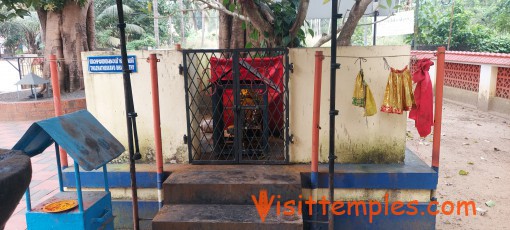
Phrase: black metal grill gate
[237,105]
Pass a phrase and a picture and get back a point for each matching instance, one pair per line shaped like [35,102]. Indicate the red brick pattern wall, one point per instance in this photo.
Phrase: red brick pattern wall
[462,76]
[503,83]
[32,111]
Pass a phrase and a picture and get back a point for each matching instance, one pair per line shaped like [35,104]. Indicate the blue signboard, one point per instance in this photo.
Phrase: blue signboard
[110,64]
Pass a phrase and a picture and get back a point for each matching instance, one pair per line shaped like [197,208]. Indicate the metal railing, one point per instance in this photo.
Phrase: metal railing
[26,65]
[237,105]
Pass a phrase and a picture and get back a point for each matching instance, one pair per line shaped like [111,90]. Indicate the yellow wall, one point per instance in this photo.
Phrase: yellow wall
[105,100]
[377,139]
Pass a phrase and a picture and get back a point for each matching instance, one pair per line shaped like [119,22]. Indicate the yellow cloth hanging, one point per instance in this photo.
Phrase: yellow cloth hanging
[358,97]
[362,96]
[398,96]
[370,106]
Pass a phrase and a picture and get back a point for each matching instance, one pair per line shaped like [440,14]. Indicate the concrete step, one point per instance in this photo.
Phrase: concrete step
[231,184]
[222,217]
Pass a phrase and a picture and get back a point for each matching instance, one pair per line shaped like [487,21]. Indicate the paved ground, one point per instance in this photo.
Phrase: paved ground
[474,141]
[44,172]
[22,95]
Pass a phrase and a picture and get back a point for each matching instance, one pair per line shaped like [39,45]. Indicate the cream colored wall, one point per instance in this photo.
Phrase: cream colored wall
[358,194]
[105,100]
[376,139]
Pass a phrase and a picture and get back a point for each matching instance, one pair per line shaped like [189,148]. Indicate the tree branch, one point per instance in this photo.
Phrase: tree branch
[257,20]
[325,38]
[300,18]
[371,23]
[357,11]
[219,7]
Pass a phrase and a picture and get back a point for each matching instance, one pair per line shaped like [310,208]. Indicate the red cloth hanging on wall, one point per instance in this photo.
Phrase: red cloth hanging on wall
[423,113]
[270,67]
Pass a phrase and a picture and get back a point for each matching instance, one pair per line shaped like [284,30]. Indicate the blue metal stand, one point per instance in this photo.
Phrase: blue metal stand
[91,146]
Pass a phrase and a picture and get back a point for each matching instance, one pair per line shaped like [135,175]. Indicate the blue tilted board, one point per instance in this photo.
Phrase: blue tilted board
[91,146]
[80,134]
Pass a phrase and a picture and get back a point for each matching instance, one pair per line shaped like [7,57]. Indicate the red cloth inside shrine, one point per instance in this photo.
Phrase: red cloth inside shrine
[271,68]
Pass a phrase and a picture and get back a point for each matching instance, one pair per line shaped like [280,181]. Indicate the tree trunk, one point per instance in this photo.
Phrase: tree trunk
[224,30]
[91,28]
[237,38]
[66,34]
[357,11]
[32,44]
[258,21]
[43,16]
[74,40]
[52,43]
[193,17]
[231,32]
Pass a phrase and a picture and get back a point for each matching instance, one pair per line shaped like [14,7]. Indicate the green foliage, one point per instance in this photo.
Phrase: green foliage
[472,30]
[7,13]
[497,44]
[171,31]
[284,13]
[140,13]
[110,13]
[20,32]
[107,32]
[19,8]
[501,15]
[143,43]
[362,35]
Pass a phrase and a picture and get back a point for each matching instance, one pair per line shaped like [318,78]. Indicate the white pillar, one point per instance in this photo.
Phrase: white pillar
[432,73]
[487,86]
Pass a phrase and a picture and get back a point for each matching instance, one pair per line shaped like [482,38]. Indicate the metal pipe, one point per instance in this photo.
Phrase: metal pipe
[19,69]
[316,126]
[78,186]
[237,101]
[316,117]
[332,111]
[438,114]
[59,169]
[27,199]
[105,175]
[376,13]
[56,100]
[286,88]
[153,60]
[130,114]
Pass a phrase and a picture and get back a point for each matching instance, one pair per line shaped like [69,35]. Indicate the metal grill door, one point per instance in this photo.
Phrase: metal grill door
[237,106]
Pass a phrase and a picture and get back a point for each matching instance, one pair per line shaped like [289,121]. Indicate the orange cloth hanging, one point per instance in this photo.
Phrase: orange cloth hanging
[398,96]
